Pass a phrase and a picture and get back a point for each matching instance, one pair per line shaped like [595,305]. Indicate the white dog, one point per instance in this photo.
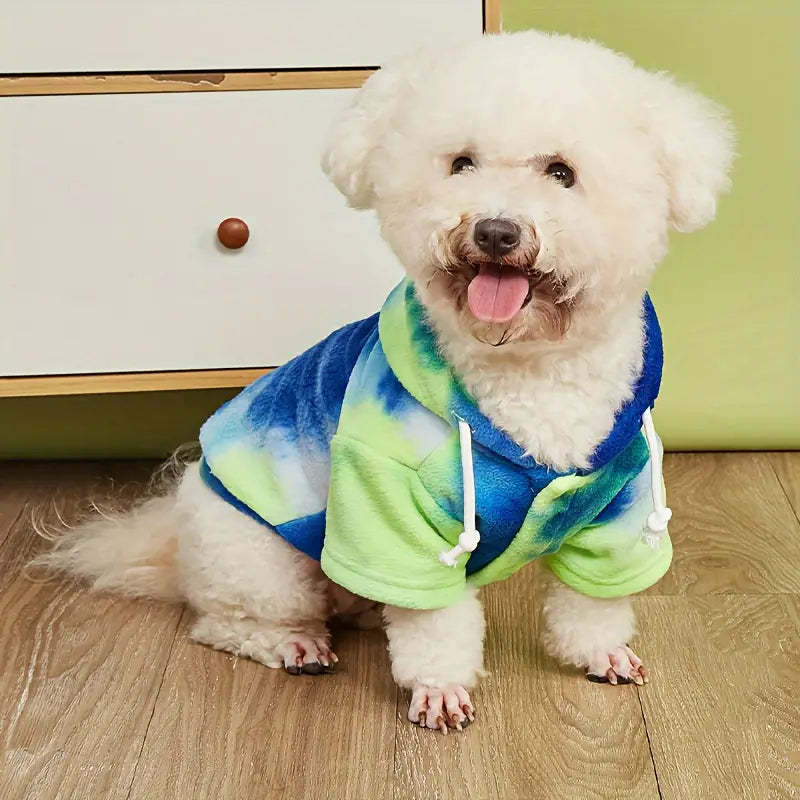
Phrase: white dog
[497,411]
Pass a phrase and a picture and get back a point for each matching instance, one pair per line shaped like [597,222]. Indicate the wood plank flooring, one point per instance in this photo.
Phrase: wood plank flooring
[106,697]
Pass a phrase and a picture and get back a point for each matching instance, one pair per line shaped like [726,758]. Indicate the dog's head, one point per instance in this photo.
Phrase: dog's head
[528,181]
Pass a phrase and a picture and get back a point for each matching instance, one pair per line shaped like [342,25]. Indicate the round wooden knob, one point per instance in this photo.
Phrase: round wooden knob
[233,233]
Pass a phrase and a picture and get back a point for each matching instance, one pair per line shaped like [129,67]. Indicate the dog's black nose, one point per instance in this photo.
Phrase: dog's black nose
[497,236]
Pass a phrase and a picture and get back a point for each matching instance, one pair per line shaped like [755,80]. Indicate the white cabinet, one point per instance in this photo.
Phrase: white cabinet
[124,143]
[108,240]
[157,35]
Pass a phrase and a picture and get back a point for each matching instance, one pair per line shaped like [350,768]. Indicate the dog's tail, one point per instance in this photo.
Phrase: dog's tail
[130,553]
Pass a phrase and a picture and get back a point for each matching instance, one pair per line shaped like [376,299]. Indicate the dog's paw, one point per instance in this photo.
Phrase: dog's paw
[621,665]
[304,655]
[440,709]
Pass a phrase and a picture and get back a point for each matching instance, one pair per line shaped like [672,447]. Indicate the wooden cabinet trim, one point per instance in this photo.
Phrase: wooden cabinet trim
[493,16]
[124,382]
[181,82]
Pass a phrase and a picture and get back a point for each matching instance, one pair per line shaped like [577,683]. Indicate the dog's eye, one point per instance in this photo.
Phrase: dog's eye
[462,164]
[562,173]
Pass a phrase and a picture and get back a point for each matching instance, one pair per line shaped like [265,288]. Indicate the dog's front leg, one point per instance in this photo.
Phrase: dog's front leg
[591,632]
[438,654]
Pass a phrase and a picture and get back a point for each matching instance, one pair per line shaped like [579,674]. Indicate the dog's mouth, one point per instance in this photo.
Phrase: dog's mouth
[495,291]
[498,292]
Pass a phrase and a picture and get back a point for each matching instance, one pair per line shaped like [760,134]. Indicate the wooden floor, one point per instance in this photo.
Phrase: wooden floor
[103,697]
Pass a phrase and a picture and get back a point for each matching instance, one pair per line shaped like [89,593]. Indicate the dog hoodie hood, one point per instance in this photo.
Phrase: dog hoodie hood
[367,453]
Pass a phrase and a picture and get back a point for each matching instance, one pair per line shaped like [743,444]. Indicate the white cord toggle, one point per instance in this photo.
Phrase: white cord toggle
[468,540]
[660,516]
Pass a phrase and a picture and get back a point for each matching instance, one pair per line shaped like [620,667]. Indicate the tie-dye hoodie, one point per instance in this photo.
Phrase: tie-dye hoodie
[351,453]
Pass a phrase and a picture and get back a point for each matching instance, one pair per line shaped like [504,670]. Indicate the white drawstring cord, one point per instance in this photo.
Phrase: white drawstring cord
[468,540]
[655,526]
[658,519]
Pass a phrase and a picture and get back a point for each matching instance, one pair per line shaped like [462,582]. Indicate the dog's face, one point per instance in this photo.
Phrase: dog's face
[525,181]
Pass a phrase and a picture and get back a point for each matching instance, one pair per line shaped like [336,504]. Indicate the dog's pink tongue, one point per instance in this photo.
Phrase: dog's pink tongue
[496,294]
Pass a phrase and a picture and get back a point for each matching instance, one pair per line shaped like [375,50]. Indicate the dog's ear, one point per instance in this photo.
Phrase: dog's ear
[696,149]
[358,132]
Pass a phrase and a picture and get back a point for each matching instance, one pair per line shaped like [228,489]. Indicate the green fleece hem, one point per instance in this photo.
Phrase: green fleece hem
[391,593]
[622,588]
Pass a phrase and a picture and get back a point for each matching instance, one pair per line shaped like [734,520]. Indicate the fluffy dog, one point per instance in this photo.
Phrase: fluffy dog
[527,183]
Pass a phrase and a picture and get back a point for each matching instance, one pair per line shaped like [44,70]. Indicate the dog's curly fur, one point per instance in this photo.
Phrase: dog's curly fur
[648,156]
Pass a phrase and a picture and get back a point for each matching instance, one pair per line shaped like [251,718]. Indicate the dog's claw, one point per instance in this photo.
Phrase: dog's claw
[306,655]
[619,667]
[440,709]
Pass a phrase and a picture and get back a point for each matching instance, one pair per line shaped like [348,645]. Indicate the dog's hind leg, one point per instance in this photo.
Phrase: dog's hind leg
[255,594]
[299,649]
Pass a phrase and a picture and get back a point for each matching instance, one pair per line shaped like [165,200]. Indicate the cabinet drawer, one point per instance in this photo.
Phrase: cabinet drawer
[158,35]
[109,207]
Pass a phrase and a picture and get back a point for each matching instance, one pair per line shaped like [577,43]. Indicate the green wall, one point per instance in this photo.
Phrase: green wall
[103,426]
[728,297]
